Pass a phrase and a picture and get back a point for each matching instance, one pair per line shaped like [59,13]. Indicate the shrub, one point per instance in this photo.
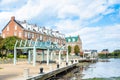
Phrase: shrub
[22,56]
[10,55]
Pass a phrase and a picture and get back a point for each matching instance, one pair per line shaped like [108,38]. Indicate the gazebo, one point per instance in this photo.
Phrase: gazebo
[31,46]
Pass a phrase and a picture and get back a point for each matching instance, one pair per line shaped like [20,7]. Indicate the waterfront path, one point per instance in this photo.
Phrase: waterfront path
[15,72]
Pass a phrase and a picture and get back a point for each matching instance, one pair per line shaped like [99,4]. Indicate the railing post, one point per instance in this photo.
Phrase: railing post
[26,73]
[29,57]
[15,52]
[59,57]
[34,56]
[47,56]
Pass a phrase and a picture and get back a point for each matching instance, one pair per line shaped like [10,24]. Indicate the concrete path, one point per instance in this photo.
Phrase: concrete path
[15,72]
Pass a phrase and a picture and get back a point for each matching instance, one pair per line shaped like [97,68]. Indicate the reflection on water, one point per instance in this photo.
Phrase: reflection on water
[103,69]
[107,70]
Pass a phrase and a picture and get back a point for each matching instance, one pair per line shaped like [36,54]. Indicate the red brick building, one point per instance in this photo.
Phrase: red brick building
[24,30]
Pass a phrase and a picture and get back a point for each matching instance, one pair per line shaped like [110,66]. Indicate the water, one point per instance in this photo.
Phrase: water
[103,69]
[89,71]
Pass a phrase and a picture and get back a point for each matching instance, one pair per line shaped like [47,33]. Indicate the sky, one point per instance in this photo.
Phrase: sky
[96,21]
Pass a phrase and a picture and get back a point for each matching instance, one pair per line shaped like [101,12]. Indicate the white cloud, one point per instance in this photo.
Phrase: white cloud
[100,37]
[88,11]
[4,2]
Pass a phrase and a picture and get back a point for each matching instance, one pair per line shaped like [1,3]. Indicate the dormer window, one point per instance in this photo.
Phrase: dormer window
[28,28]
[73,40]
[69,40]
[34,30]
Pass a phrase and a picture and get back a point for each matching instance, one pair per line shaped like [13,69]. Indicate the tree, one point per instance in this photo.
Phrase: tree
[9,42]
[69,49]
[1,47]
[76,49]
[1,43]
[116,53]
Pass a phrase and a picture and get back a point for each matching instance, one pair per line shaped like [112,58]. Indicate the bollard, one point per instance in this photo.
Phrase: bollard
[72,61]
[57,65]
[66,63]
[41,70]
[26,73]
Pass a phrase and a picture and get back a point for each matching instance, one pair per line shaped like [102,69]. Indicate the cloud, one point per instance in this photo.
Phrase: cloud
[4,2]
[71,17]
[100,37]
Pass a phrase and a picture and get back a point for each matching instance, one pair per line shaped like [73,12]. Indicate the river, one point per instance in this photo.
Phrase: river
[91,71]
[103,69]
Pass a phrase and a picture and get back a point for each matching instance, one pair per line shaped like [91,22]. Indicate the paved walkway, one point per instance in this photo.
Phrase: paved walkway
[15,72]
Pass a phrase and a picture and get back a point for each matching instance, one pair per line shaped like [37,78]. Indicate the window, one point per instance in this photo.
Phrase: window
[3,35]
[15,27]
[69,40]
[41,37]
[25,34]
[29,35]
[15,34]
[56,40]
[7,28]
[19,34]
[73,40]
[32,35]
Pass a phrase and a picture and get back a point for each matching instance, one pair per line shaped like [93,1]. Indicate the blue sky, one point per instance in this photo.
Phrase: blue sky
[96,21]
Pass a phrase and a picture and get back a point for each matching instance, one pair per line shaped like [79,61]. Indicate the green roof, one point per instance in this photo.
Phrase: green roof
[72,39]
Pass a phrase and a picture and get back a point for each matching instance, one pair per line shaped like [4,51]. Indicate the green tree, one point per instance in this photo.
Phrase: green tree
[69,49]
[9,42]
[1,43]
[1,47]
[76,49]
[116,53]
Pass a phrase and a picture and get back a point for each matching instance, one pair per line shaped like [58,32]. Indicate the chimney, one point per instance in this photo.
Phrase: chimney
[13,18]
[57,31]
[24,21]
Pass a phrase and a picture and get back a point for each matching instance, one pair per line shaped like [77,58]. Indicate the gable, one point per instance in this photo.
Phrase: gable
[9,23]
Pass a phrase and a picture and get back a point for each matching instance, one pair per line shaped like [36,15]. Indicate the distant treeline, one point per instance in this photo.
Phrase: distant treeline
[114,54]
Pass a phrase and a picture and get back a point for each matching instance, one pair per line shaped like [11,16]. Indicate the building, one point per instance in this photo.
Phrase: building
[90,53]
[24,30]
[73,41]
[105,51]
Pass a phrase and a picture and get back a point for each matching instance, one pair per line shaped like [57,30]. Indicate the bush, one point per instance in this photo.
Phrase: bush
[10,55]
[102,55]
[22,56]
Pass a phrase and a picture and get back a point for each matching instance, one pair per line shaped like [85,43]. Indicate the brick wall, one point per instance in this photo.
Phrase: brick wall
[12,29]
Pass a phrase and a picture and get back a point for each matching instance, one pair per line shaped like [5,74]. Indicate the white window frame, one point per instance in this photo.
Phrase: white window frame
[7,28]
[15,33]
[26,34]
[20,34]
[3,35]
[15,27]
[32,35]
[41,37]
[69,40]
[73,40]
